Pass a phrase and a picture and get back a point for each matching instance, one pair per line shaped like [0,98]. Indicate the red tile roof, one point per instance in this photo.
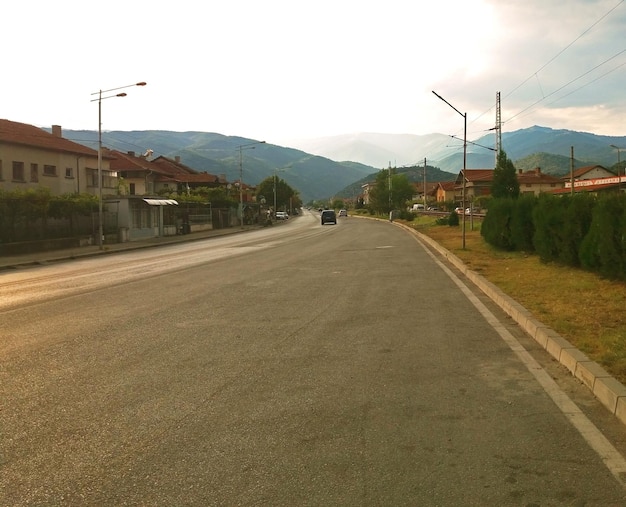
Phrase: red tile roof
[12,132]
[584,170]
[477,175]
[535,176]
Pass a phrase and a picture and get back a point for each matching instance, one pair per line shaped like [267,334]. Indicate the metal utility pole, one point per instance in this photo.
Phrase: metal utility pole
[424,183]
[498,127]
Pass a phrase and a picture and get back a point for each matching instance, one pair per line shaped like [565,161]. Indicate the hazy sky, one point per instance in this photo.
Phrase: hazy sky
[276,70]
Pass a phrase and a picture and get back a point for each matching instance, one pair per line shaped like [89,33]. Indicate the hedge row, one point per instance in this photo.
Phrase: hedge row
[580,230]
[36,214]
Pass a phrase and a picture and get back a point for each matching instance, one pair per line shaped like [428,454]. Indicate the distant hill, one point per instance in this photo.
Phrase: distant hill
[414,174]
[325,167]
[314,176]
[555,165]
[445,152]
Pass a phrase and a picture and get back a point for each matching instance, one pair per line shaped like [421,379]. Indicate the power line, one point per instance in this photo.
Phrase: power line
[569,83]
[563,50]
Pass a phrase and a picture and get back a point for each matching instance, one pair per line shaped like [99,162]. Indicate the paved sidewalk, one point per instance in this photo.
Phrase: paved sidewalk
[16,261]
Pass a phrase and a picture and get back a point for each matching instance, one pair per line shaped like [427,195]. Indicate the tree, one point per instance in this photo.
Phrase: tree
[286,197]
[391,191]
[505,182]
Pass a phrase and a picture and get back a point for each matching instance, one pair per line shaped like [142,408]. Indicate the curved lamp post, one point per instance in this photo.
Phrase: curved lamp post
[248,146]
[464,115]
[99,99]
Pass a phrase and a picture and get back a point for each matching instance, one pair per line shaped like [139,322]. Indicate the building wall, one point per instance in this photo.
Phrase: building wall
[61,172]
[596,172]
[538,188]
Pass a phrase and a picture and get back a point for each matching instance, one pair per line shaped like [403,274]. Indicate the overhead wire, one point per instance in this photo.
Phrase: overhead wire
[536,73]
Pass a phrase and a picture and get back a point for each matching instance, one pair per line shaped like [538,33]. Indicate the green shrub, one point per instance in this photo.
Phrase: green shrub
[453,219]
[522,224]
[577,214]
[548,217]
[603,248]
[496,227]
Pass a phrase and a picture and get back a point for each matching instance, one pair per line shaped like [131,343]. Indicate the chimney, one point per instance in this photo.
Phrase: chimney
[519,171]
[56,131]
[130,154]
[177,159]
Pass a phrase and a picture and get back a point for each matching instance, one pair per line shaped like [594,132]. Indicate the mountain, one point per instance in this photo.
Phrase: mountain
[324,167]
[377,150]
[315,177]
[445,152]
[414,174]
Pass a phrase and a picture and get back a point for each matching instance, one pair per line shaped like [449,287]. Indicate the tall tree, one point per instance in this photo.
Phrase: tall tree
[505,182]
[391,191]
[286,196]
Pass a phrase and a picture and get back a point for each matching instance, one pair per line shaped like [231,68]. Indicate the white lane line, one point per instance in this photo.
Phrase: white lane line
[610,456]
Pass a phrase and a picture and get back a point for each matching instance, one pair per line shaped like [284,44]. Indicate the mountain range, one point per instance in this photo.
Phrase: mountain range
[335,166]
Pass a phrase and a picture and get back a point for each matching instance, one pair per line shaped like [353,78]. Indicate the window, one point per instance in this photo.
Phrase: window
[69,172]
[34,173]
[1,178]
[18,171]
[131,189]
[109,179]
[93,178]
[49,170]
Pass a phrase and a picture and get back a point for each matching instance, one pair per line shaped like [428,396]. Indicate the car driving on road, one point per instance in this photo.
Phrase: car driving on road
[328,216]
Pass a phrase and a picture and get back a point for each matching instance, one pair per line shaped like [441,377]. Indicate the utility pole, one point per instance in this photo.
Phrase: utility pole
[424,183]
[498,127]
[571,169]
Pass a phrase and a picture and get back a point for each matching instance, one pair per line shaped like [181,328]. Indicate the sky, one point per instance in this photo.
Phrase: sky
[278,70]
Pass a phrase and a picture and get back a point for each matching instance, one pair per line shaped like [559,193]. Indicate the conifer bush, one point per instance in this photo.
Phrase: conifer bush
[577,211]
[522,224]
[548,217]
[496,226]
[603,249]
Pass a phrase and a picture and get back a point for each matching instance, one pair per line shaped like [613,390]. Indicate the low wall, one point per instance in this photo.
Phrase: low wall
[26,247]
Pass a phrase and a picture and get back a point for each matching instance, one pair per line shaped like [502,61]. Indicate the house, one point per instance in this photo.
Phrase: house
[536,182]
[444,191]
[30,157]
[142,213]
[477,184]
[595,179]
[419,190]
[589,172]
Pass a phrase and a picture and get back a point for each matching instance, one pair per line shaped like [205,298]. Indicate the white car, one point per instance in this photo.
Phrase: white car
[343,213]
[281,215]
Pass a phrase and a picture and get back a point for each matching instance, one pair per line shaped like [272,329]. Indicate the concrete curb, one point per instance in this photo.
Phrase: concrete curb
[608,390]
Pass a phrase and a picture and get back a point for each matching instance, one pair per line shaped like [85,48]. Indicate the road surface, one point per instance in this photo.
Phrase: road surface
[297,365]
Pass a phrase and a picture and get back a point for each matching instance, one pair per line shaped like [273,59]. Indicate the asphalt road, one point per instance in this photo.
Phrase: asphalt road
[298,365]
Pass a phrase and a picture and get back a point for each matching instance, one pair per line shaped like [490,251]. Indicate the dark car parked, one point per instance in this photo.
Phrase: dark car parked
[328,217]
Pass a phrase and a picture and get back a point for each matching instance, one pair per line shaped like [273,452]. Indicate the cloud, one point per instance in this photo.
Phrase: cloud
[281,69]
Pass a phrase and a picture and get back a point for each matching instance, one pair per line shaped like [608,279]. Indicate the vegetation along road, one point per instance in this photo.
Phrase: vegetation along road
[296,365]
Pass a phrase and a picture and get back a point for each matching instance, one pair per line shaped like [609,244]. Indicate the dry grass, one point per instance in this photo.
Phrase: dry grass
[582,307]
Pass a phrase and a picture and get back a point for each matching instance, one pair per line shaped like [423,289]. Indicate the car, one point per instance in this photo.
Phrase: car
[328,216]
[282,215]
[343,213]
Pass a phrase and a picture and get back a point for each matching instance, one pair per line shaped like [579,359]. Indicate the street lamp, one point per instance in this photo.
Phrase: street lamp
[248,146]
[619,174]
[464,115]
[99,100]
[276,170]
